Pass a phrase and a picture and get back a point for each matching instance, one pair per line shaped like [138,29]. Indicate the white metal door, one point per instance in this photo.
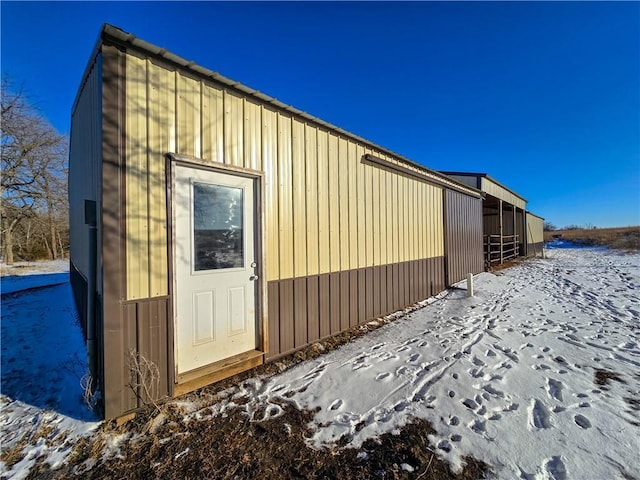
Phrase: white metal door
[214,258]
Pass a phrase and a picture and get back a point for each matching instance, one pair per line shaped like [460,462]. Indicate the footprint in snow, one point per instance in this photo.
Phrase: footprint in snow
[413,357]
[470,404]
[582,421]
[555,469]
[554,389]
[539,416]
[383,376]
[336,405]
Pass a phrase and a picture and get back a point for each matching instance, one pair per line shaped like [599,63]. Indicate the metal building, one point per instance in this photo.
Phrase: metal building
[509,231]
[214,228]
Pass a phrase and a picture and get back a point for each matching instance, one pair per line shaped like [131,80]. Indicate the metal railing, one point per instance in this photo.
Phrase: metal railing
[499,248]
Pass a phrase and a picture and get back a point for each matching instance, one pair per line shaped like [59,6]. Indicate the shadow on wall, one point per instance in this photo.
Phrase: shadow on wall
[43,351]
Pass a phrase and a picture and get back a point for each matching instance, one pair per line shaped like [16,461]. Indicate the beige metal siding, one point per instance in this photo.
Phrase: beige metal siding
[326,210]
[502,193]
[535,233]
[85,158]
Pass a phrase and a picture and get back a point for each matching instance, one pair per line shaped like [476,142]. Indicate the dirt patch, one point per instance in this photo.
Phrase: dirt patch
[232,446]
[602,377]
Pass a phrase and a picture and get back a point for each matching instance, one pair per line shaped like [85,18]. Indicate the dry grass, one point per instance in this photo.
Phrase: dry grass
[623,238]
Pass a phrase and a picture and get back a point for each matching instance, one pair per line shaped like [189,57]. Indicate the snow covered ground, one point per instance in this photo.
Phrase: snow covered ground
[43,360]
[508,376]
[538,374]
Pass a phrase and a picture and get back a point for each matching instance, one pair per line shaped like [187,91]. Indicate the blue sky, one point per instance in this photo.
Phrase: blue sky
[544,97]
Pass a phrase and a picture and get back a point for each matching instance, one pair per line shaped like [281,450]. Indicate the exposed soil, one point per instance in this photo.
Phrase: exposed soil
[233,447]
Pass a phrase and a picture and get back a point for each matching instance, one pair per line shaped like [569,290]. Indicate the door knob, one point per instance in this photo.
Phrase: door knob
[253,278]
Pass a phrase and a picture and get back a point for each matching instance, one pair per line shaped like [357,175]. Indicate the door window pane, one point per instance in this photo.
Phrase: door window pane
[217,227]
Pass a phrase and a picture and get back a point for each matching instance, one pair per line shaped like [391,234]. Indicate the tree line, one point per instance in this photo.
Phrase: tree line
[34,213]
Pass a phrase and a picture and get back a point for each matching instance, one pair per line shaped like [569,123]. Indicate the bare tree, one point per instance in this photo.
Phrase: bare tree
[34,173]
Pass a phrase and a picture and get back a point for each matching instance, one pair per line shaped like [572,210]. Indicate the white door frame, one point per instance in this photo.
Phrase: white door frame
[173,160]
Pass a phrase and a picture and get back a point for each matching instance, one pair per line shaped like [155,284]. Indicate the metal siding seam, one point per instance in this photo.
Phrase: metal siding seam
[274,318]
[313,311]
[324,296]
[324,245]
[345,304]
[383,289]
[375,207]
[353,205]
[343,202]
[300,318]
[311,179]
[362,296]
[270,160]
[368,207]
[299,205]
[285,197]
[361,198]
[334,204]
[334,302]
[369,293]
[287,328]
[353,298]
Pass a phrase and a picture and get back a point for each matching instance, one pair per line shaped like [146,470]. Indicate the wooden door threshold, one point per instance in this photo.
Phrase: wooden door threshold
[200,377]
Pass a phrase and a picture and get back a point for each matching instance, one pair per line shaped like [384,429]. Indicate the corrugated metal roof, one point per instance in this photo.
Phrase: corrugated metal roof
[118,36]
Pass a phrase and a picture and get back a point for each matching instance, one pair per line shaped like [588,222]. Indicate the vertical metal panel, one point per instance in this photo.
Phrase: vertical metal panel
[151,321]
[353,165]
[383,290]
[212,123]
[334,204]
[343,202]
[362,295]
[137,179]
[285,198]
[422,220]
[129,335]
[535,230]
[464,235]
[273,294]
[334,306]
[299,199]
[114,338]
[376,292]
[300,312]
[313,308]
[375,207]
[233,129]
[324,304]
[287,329]
[389,289]
[188,116]
[345,300]
[272,221]
[360,198]
[393,213]
[324,244]
[85,158]
[252,135]
[368,211]
[396,286]
[412,211]
[353,298]
[311,156]
[388,205]
[161,139]
[369,292]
